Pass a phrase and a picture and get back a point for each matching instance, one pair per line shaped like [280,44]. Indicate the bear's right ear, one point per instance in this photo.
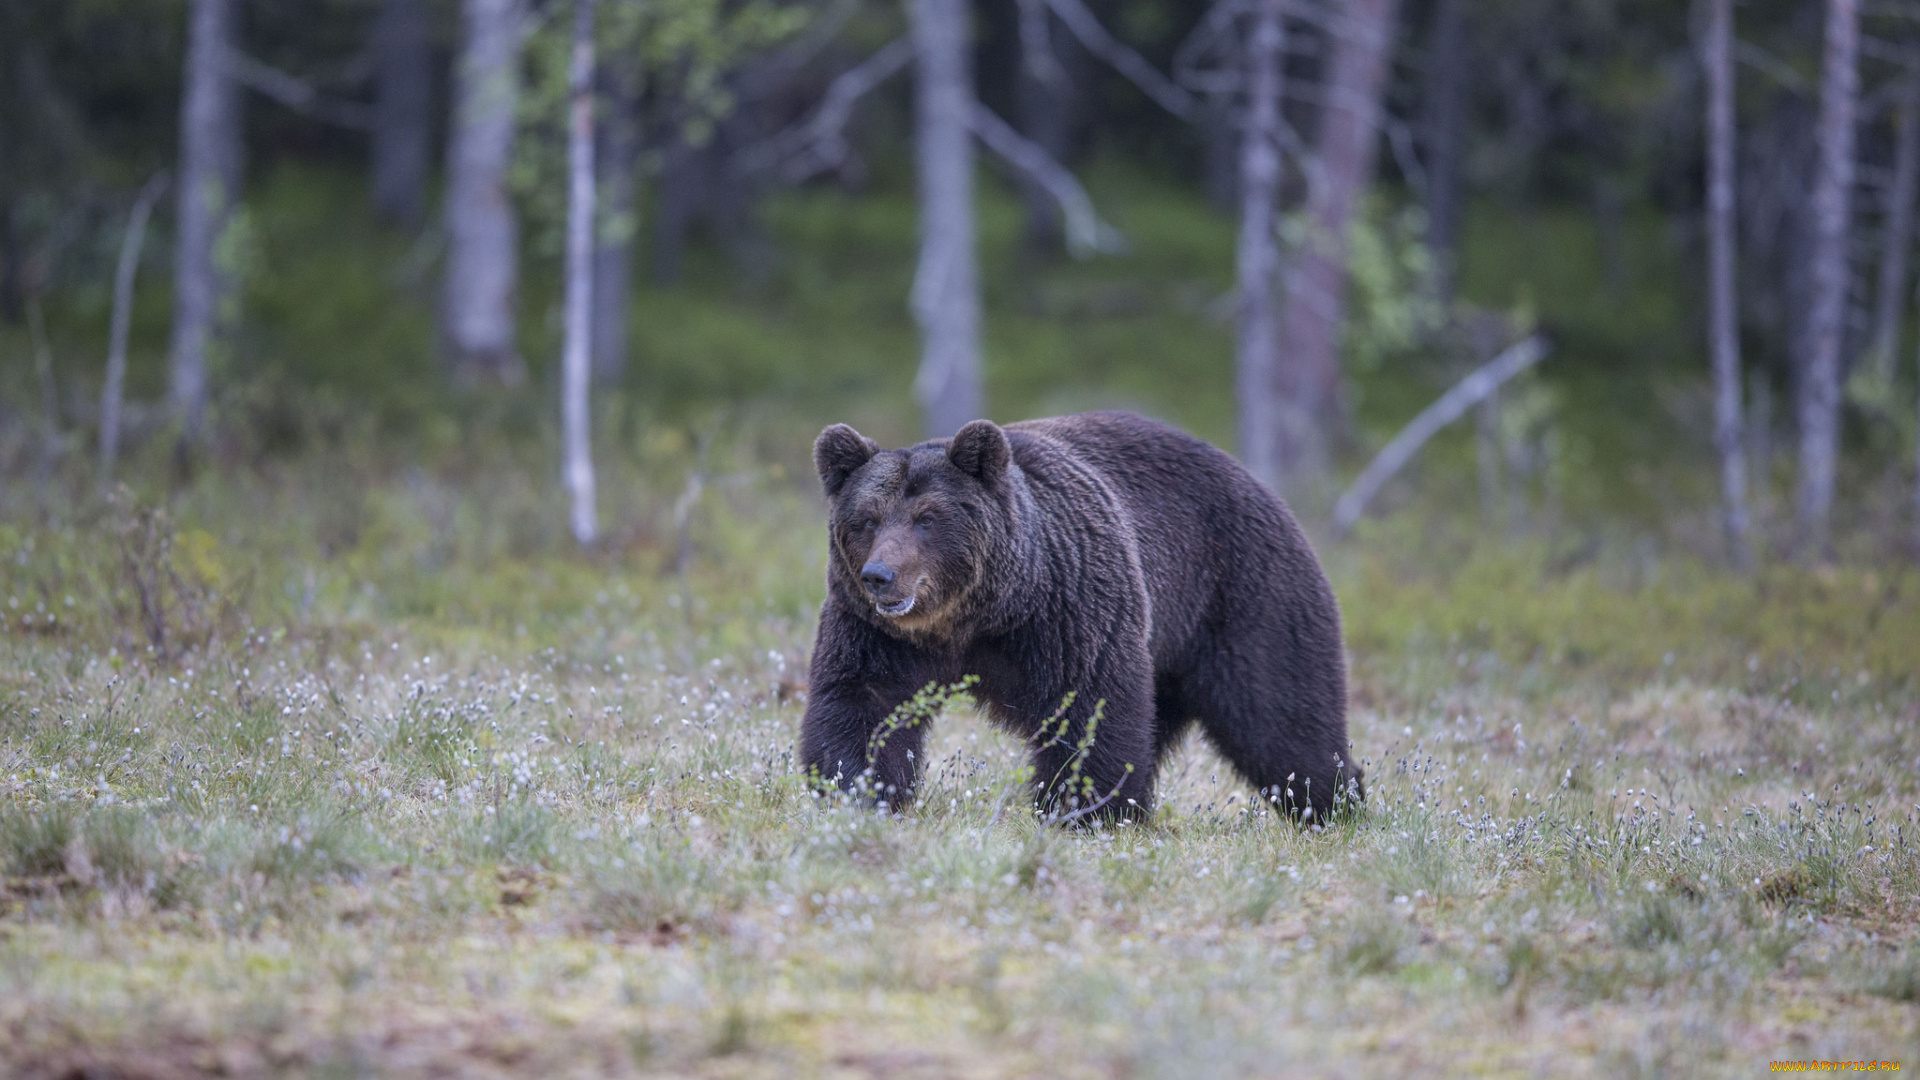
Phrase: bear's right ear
[838,453]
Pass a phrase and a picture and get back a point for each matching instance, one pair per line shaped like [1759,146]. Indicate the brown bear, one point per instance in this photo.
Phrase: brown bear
[1102,561]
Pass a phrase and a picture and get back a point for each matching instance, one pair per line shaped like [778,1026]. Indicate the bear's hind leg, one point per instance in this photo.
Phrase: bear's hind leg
[1283,731]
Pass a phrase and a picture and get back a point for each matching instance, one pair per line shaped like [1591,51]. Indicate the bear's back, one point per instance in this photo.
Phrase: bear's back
[1200,522]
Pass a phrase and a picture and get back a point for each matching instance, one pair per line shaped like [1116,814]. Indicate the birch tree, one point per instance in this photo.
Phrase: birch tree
[1315,284]
[576,360]
[946,284]
[402,110]
[1256,254]
[121,326]
[1723,314]
[209,175]
[483,238]
[1818,407]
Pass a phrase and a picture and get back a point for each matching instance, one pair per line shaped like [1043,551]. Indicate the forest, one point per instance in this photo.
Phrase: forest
[410,547]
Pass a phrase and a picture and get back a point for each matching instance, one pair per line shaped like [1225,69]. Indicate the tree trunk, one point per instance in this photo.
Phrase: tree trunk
[576,360]
[1723,314]
[684,177]
[1897,236]
[946,284]
[12,294]
[122,322]
[209,175]
[1446,124]
[1487,459]
[1219,127]
[1316,283]
[1257,255]
[618,165]
[483,235]
[1819,404]
[1046,104]
[402,110]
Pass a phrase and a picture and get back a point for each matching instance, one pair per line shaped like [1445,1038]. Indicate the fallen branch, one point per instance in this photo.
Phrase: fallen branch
[297,94]
[1086,233]
[1166,93]
[123,275]
[819,142]
[1463,396]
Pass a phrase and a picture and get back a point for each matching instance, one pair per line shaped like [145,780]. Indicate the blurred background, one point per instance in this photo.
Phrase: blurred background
[341,284]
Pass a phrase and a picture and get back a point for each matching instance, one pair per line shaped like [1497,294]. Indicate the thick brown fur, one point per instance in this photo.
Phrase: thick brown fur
[1101,555]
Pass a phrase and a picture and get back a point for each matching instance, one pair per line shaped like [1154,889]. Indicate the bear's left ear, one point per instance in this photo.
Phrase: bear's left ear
[981,451]
[838,453]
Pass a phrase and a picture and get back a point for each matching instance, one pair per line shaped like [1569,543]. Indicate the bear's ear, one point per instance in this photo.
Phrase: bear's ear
[981,451]
[838,453]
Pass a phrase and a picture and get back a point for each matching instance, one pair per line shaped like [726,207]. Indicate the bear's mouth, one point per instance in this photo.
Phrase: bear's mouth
[898,609]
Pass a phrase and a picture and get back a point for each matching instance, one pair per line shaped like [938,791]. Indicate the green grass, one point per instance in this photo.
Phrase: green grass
[437,797]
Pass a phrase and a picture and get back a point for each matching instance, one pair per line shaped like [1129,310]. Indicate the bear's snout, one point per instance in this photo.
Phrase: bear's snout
[890,579]
[876,575]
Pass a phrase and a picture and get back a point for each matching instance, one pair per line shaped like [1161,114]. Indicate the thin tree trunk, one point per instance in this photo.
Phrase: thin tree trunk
[1046,93]
[12,295]
[1315,286]
[483,235]
[1219,127]
[402,110]
[123,276]
[50,440]
[209,167]
[1257,255]
[681,189]
[946,284]
[576,359]
[1819,404]
[618,165]
[1487,459]
[1897,237]
[1723,304]
[1760,441]
[1447,83]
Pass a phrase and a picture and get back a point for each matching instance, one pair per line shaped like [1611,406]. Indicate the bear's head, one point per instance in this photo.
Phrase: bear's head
[913,529]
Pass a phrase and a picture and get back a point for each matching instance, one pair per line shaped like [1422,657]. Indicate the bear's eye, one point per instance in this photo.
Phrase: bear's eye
[923,521]
[870,524]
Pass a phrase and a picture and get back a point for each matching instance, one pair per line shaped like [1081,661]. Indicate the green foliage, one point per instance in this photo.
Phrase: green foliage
[1393,307]
[686,49]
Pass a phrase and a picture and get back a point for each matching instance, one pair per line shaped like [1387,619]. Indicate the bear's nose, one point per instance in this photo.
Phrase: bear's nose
[876,575]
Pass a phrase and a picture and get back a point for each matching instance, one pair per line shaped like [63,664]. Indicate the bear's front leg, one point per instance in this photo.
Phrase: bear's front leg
[1106,773]
[857,679]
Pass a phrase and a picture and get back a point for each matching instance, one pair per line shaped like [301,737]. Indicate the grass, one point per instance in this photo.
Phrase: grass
[335,758]
[437,800]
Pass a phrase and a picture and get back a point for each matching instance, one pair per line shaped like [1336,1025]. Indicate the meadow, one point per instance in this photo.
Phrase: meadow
[422,806]
[334,758]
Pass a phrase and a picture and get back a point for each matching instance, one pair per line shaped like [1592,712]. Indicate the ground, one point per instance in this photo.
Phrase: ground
[423,806]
